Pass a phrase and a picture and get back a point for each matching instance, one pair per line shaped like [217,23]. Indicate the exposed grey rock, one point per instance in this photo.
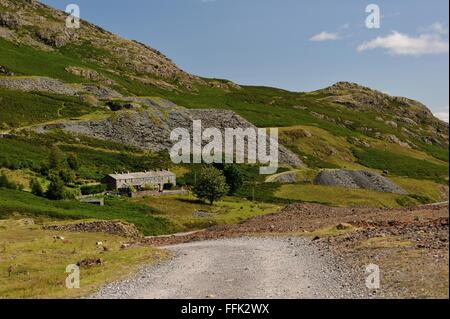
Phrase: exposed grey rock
[407,121]
[38,84]
[56,37]
[200,213]
[44,84]
[358,179]
[150,129]
[391,124]
[8,20]
[286,178]
[395,140]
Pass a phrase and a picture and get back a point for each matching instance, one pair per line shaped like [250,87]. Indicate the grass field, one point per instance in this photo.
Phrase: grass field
[434,191]
[179,210]
[33,264]
[338,196]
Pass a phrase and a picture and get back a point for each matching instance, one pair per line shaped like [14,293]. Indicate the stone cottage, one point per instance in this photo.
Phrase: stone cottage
[140,180]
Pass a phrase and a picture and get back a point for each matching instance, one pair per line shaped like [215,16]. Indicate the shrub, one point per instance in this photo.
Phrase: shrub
[168,186]
[36,188]
[44,169]
[56,190]
[67,176]
[181,181]
[55,158]
[93,189]
[73,162]
[114,105]
[233,177]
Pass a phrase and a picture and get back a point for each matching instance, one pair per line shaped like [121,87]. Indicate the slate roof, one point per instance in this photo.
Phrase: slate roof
[142,175]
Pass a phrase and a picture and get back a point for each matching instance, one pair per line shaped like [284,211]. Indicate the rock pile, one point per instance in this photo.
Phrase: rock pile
[358,179]
[150,129]
[110,227]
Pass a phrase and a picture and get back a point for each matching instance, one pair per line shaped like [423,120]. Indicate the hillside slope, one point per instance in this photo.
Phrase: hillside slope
[96,86]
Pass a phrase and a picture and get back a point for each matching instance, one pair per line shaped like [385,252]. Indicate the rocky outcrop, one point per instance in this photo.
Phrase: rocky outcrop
[9,20]
[101,47]
[89,74]
[44,84]
[395,112]
[56,36]
[150,128]
[358,179]
[395,140]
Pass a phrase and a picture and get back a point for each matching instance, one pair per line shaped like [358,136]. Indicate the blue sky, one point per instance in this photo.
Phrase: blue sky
[300,45]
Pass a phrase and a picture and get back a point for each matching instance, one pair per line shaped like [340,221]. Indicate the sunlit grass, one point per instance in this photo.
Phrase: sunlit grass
[33,264]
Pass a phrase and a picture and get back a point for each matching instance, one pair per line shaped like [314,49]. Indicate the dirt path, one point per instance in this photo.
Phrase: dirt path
[243,268]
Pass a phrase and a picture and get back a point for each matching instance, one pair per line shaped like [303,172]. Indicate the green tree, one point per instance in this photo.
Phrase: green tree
[36,187]
[66,175]
[234,178]
[56,158]
[73,162]
[211,185]
[56,189]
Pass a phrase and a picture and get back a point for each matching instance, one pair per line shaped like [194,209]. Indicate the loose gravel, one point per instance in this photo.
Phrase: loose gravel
[248,267]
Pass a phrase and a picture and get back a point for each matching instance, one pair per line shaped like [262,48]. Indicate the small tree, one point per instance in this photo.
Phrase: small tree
[56,158]
[73,162]
[56,189]
[36,188]
[211,185]
[233,177]
[67,176]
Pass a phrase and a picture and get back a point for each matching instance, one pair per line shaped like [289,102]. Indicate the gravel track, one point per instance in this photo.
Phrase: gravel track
[277,267]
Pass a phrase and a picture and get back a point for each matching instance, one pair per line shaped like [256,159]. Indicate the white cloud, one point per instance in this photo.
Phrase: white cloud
[437,28]
[444,116]
[402,44]
[325,36]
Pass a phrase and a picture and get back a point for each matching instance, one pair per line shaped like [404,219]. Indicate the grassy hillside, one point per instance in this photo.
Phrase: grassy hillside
[343,126]
[13,202]
[20,109]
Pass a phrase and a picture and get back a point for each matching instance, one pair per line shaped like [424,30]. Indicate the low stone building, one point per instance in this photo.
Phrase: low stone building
[140,180]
